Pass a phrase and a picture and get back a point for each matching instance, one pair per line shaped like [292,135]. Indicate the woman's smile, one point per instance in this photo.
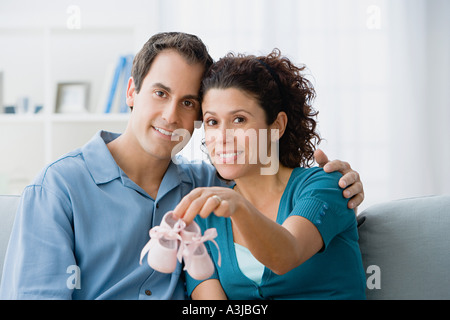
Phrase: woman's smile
[228,157]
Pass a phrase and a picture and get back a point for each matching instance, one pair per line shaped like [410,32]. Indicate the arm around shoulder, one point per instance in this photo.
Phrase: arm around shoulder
[319,199]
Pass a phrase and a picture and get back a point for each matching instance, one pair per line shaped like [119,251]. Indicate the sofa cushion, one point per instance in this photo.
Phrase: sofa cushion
[408,240]
[8,206]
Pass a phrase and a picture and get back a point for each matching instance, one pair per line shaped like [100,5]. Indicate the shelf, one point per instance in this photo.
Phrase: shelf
[16,118]
[55,54]
[90,117]
[59,118]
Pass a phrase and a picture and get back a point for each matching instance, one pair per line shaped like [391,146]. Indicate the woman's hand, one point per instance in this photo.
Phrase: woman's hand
[203,201]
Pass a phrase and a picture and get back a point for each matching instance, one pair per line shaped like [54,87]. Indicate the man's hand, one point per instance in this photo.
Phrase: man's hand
[350,181]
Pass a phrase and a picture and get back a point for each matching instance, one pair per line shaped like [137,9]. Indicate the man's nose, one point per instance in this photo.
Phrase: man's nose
[170,112]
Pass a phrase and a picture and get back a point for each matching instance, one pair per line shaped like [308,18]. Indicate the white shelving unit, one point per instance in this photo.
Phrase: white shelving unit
[34,59]
[28,142]
[77,129]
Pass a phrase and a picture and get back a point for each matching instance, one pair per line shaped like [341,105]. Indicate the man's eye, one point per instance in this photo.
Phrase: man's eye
[160,94]
[188,103]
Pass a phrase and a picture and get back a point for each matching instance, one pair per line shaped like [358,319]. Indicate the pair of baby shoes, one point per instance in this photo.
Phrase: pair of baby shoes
[174,240]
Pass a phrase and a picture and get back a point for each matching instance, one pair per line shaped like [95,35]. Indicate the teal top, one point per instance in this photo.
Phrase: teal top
[336,272]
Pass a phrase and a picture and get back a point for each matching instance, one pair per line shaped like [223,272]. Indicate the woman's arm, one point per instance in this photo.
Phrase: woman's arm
[279,247]
[209,290]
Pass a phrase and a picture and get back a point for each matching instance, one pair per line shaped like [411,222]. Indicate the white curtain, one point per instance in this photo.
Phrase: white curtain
[420,98]
[381,69]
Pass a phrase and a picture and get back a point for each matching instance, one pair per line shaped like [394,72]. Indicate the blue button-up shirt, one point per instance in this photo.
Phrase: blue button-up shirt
[82,223]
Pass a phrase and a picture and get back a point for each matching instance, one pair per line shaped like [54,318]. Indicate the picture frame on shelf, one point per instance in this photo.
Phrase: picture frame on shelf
[72,97]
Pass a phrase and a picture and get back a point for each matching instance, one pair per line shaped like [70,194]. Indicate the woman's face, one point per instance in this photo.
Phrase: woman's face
[236,134]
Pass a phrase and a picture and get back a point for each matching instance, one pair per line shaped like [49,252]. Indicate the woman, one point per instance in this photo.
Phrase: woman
[284,230]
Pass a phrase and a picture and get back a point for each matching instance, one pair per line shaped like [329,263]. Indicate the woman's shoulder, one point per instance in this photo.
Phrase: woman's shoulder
[315,194]
[315,183]
[314,177]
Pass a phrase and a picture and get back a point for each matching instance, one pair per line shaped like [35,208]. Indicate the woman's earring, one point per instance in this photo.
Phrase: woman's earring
[203,147]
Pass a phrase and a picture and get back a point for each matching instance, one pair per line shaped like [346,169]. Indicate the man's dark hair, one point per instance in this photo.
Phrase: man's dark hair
[187,45]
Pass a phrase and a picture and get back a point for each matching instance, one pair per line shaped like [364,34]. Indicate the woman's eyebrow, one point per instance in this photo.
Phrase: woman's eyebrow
[231,112]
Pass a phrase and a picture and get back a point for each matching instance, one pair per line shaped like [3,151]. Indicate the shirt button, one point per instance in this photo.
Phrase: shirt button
[157,206]
[148,292]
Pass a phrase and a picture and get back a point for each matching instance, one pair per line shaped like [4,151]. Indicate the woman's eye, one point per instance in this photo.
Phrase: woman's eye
[211,122]
[238,120]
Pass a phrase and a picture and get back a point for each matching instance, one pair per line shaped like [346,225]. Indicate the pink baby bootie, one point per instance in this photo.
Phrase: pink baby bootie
[197,261]
[163,246]
[173,240]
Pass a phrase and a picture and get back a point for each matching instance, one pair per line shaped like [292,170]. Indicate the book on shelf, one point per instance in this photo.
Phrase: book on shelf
[118,82]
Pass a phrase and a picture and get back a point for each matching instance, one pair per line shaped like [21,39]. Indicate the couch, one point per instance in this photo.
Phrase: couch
[8,205]
[404,245]
[408,242]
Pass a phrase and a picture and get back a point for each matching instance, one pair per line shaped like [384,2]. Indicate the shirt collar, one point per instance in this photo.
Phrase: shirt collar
[173,177]
[101,164]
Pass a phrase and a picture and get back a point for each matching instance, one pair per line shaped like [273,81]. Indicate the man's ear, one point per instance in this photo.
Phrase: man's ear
[131,91]
[280,123]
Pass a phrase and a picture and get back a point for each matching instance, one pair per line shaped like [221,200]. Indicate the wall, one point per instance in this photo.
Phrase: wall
[380,68]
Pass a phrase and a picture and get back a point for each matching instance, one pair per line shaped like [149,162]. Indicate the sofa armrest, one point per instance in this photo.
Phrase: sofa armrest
[8,207]
[408,240]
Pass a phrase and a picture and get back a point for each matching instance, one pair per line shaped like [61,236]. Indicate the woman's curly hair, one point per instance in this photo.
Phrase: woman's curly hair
[278,85]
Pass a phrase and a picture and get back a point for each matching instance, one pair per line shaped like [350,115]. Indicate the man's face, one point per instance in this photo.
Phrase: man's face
[168,100]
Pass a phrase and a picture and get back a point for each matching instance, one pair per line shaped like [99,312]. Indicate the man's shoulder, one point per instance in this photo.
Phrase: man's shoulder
[193,168]
[65,166]
[199,172]
[78,163]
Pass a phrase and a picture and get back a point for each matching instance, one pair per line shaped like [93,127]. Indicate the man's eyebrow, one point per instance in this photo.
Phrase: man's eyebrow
[166,88]
[192,96]
[160,85]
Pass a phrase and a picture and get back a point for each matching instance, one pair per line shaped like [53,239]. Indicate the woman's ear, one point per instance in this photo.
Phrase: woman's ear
[280,123]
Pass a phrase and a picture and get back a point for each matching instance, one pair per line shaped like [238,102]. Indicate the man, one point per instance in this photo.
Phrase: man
[82,223]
